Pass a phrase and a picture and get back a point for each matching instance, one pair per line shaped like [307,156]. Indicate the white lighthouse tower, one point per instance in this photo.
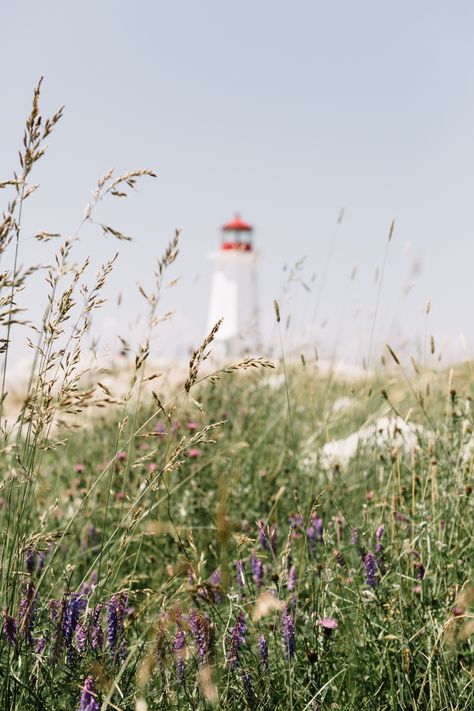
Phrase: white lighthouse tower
[234,290]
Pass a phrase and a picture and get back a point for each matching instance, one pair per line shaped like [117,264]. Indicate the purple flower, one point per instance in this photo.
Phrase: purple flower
[40,645]
[41,559]
[419,570]
[26,613]
[215,581]
[319,528]
[339,558]
[248,689]
[30,560]
[378,537]
[197,626]
[71,618]
[179,645]
[239,566]
[288,630]
[256,566]
[370,567]
[81,638]
[354,536]
[311,533]
[263,651]
[237,639]
[112,623]
[97,640]
[88,700]
[292,579]
[328,624]
[9,628]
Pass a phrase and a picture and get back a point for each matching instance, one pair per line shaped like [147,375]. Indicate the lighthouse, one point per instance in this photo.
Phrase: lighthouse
[234,290]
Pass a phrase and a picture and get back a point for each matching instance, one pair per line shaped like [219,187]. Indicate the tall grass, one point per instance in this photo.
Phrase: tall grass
[190,549]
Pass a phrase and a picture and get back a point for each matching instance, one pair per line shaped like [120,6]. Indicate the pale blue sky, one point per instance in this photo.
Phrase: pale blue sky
[284,111]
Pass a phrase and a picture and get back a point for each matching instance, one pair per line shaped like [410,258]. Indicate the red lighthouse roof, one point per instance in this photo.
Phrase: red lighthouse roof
[237,225]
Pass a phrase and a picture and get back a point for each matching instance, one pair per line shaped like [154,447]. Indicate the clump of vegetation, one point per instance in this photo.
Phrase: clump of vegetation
[195,549]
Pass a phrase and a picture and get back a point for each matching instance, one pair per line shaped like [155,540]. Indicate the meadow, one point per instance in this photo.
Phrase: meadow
[262,534]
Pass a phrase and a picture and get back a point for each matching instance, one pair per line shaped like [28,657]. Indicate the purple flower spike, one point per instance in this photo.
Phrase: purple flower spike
[81,638]
[179,650]
[237,639]
[26,613]
[370,566]
[257,570]
[354,536]
[339,558]
[288,629]
[9,628]
[197,626]
[88,700]
[215,581]
[263,651]
[319,528]
[112,623]
[97,640]
[71,618]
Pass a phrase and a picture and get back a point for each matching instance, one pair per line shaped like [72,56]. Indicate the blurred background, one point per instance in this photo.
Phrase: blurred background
[285,112]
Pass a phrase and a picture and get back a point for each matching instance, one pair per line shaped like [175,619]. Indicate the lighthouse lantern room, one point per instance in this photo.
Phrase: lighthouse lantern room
[234,289]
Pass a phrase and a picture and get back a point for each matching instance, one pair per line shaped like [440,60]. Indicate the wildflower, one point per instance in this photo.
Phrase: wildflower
[319,528]
[194,453]
[197,626]
[40,645]
[292,579]
[112,623]
[256,566]
[88,700]
[311,533]
[417,589]
[328,624]
[288,629]
[9,628]
[339,558]
[121,456]
[237,639]
[41,559]
[192,425]
[179,647]
[263,651]
[97,639]
[71,618]
[419,570]
[215,580]
[26,613]
[30,560]
[354,536]
[79,468]
[378,537]
[81,638]
[370,566]
[248,689]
